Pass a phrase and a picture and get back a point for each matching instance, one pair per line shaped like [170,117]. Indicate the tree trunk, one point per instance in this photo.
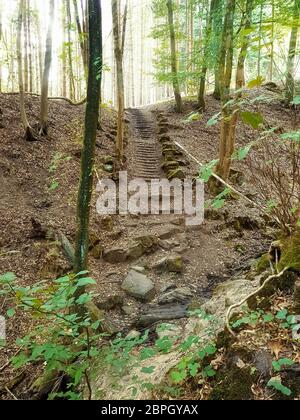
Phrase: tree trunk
[240,73]
[290,82]
[89,143]
[70,60]
[217,30]
[119,43]
[229,118]
[45,81]
[82,34]
[28,131]
[174,66]
[201,93]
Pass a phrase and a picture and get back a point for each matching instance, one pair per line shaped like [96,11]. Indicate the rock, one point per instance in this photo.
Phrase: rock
[96,314]
[168,245]
[115,255]
[107,223]
[263,363]
[172,264]
[180,295]
[108,160]
[176,174]
[197,303]
[110,303]
[133,335]
[245,222]
[161,313]
[171,331]
[170,165]
[97,252]
[169,233]
[128,310]
[139,286]
[164,138]
[163,129]
[147,241]
[297,296]
[108,168]
[135,251]
[168,287]
[139,269]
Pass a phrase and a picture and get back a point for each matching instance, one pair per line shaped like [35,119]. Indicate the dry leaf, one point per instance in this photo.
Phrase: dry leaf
[276,347]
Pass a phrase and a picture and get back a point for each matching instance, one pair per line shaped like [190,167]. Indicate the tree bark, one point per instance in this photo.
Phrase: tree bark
[28,130]
[229,118]
[240,73]
[119,31]
[89,143]
[174,66]
[45,81]
[290,68]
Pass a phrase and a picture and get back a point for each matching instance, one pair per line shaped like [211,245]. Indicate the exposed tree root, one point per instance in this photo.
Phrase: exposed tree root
[237,305]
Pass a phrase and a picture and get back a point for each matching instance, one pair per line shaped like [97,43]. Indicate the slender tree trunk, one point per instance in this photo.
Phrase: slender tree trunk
[229,118]
[201,93]
[217,30]
[30,58]
[89,143]
[26,78]
[82,34]
[260,38]
[272,42]
[28,131]
[290,82]
[1,34]
[174,66]
[240,74]
[119,43]
[45,81]
[70,60]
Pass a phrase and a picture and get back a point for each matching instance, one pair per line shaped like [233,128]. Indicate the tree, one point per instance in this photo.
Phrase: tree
[82,34]
[175,78]
[119,33]
[28,130]
[290,82]
[45,81]
[90,132]
[229,119]
[246,26]
[201,93]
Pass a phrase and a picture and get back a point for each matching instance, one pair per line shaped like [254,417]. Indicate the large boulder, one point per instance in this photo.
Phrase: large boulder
[180,295]
[115,255]
[139,286]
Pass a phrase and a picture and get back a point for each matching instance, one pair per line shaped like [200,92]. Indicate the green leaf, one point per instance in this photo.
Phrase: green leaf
[148,370]
[277,384]
[178,376]
[282,315]
[256,82]
[85,282]
[296,100]
[7,278]
[268,318]
[293,136]
[254,119]
[11,312]
[147,353]
[243,153]
[214,120]
[278,365]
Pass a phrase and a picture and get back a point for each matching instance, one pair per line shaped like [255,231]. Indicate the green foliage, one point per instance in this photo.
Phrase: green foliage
[207,170]
[62,340]
[277,384]
[254,119]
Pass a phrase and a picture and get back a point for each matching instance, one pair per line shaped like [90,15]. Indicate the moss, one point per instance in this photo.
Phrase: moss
[291,253]
[233,384]
[263,263]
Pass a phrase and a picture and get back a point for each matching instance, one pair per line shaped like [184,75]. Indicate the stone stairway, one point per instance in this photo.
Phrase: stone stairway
[147,151]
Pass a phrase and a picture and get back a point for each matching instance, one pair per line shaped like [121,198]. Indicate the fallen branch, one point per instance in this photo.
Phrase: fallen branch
[52,98]
[11,394]
[237,305]
[241,195]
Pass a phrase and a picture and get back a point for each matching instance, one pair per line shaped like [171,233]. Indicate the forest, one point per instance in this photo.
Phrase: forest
[149,210]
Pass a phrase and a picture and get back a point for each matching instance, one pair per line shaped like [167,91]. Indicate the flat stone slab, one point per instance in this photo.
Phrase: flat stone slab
[162,313]
[139,286]
[181,295]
